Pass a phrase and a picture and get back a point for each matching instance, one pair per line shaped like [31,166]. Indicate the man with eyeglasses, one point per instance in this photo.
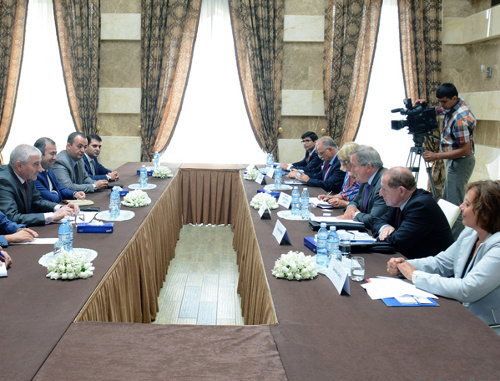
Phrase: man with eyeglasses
[311,162]
[368,204]
[329,177]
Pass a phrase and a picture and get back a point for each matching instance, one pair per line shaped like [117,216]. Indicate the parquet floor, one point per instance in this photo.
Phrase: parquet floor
[200,287]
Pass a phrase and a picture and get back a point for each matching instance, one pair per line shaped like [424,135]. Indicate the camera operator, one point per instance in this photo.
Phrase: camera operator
[457,145]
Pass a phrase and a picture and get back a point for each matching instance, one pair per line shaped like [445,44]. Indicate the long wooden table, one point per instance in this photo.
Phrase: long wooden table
[309,331]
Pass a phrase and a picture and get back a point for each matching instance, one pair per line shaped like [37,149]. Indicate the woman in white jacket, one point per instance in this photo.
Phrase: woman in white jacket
[469,270]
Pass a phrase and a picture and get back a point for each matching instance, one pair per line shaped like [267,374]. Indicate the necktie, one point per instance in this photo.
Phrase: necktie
[365,197]
[92,166]
[25,186]
[398,217]
[326,172]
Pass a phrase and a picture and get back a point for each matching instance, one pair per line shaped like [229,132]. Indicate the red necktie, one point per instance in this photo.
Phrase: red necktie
[25,185]
[326,172]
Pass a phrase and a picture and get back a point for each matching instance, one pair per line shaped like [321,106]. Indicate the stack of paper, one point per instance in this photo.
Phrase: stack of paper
[385,287]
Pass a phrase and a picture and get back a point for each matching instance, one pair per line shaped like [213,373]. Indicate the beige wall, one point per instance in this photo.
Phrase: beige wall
[467,44]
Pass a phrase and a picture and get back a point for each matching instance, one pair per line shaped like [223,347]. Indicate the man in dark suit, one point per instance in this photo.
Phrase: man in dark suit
[311,163]
[70,168]
[94,169]
[329,177]
[19,199]
[415,224]
[46,182]
[368,204]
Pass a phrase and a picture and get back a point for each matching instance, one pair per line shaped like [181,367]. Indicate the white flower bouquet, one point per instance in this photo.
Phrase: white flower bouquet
[162,172]
[70,265]
[295,266]
[260,198]
[251,174]
[136,199]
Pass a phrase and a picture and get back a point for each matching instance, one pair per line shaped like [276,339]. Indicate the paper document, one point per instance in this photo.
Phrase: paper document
[358,236]
[384,287]
[332,219]
[320,204]
[39,241]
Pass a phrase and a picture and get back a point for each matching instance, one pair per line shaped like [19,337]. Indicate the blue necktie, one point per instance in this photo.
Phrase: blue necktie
[365,197]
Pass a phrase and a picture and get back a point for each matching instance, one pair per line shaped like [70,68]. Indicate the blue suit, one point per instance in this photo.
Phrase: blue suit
[311,163]
[334,180]
[7,227]
[100,170]
[59,192]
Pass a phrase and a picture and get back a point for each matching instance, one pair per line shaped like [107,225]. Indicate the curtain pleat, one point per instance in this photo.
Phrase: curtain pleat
[78,26]
[258,37]
[12,32]
[420,34]
[168,30]
[351,28]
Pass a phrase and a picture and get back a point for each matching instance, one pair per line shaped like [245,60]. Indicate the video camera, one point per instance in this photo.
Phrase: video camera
[420,119]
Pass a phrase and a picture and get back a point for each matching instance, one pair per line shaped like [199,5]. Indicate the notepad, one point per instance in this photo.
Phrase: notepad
[3,271]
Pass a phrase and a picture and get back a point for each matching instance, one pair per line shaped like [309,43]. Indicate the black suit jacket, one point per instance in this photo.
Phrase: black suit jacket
[376,205]
[309,164]
[333,183]
[423,228]
[14,203]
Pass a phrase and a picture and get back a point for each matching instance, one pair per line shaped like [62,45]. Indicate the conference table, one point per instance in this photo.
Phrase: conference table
[97,328]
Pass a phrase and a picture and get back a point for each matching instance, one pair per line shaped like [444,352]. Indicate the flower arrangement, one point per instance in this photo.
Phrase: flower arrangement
[70,265]
[136,199]
[162,172]
[295,266]
[260,198]
[251,174]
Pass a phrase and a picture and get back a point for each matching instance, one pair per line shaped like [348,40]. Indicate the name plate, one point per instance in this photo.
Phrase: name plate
[265,212]
[285,200]
[250,167]
[270,172]
[260,179]
[338,276]
[281,234]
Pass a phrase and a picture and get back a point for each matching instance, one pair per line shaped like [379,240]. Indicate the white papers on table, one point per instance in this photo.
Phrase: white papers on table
[38,241]
[332,219]
[3,270]
[320,204]
[292,182]
[358,236]
[384,287]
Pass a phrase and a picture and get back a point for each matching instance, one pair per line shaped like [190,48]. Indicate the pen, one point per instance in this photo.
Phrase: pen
[3,256]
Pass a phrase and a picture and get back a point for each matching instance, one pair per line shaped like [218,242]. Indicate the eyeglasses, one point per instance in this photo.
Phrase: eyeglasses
[306,141]
[321,153]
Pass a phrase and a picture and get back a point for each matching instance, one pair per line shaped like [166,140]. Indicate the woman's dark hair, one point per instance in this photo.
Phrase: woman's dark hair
[487,204]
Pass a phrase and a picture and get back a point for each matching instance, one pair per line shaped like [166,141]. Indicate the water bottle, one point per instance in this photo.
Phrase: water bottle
[270,161]
[156,160]
[143,178]
[304,204]
[114,202]
[322,258]
[278,178]
[295,202]
[332,244]
[64,236]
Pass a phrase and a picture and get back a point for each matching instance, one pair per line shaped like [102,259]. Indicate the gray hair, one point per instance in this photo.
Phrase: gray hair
[22,153]
[401,177]
[327,141]
[367,154]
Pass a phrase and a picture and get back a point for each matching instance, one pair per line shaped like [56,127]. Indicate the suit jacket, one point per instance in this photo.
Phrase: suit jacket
[14,203]
[376,205]
[309,164]
[333,182]
[423,228]
[69,178]
[100,170]
[58,194]
[7,227]
[479,289]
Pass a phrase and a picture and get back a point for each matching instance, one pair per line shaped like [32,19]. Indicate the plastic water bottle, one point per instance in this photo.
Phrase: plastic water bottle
[322,258]
[304,204]
[270,161]
[143,178]
[278,178]
[332,244]
[156,160]
[64,236]
[295,202]
[114,202]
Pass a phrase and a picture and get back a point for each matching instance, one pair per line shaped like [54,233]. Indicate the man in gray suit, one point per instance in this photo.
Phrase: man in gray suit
[70,168]
[19,199]
[368,204]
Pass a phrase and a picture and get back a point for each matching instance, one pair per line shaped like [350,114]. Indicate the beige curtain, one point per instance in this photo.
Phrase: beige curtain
[351,28]
[168,31]
[78,26]
[420,26]
[258,35]
[12,31]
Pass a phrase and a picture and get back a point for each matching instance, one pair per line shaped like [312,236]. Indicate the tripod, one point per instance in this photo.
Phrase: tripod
[414,159]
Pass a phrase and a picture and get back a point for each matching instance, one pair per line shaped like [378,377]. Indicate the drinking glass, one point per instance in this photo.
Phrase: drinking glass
[357,269]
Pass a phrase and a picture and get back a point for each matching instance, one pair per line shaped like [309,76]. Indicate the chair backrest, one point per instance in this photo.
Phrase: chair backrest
[451,211]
